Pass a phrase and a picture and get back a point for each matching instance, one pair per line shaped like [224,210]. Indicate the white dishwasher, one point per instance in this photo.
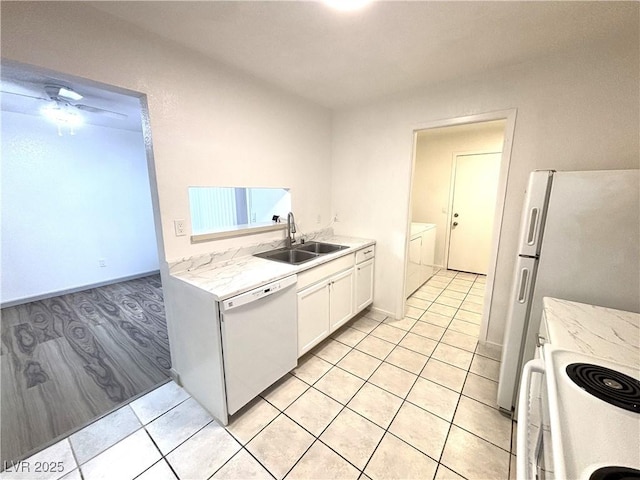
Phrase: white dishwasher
[259,339]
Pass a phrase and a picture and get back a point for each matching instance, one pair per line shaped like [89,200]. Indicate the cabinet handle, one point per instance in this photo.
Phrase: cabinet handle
[368,251]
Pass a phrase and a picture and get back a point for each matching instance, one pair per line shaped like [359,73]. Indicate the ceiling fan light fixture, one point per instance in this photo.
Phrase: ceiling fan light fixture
[62,116]
[347,5]
[69,94]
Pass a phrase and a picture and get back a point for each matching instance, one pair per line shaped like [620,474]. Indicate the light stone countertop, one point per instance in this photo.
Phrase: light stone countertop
[597,331]
[228,278]
[417,228]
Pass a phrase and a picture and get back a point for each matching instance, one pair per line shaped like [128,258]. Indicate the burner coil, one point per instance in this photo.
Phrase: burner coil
[608,385]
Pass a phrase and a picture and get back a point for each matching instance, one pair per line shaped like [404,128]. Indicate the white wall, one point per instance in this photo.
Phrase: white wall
[575,110]
[68,202]
[431,186]
[211,125]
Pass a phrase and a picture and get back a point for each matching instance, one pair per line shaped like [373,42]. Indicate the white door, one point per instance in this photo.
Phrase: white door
[474,200]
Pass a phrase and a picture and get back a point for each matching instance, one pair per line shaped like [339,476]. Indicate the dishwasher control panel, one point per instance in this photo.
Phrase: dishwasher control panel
[258,293]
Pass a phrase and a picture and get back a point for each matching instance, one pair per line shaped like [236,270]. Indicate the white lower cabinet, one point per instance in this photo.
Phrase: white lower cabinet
[420,264]
[322,308]
[331,294]
[313,316]
[340,299]
[364,284]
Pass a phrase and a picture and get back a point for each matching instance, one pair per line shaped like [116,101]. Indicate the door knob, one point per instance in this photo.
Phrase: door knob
[455,224]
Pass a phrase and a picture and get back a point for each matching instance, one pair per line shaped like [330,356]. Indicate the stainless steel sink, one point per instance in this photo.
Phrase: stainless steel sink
[321,248]
[288,255]
[301,253]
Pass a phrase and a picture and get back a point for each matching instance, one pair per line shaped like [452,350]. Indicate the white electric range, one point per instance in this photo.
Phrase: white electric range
[579,406]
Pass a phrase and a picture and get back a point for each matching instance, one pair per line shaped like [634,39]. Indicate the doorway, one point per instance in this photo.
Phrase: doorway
[439,148]
[83,324]
[473,191]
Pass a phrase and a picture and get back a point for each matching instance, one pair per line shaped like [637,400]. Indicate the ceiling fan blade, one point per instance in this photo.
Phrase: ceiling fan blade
[101,111]
[62,93]
[27,96]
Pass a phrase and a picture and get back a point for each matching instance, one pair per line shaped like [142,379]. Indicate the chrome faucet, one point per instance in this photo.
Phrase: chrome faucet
[291,230]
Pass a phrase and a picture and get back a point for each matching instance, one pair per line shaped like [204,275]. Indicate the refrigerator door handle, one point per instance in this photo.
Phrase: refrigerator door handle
[533,226]
[533,213]
[524,285]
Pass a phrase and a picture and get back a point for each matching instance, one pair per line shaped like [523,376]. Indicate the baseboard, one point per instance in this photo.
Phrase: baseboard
[35,298]
[383,312]
[175,376]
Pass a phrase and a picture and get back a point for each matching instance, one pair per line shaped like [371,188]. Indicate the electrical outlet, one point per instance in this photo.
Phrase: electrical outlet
[102,262]
[179,227]
[335,218]
[319,219]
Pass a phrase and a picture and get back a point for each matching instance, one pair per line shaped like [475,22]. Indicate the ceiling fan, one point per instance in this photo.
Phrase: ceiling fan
[65,98]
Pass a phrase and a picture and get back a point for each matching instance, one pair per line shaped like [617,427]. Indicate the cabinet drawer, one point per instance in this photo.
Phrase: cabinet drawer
[325,270]
[365,254]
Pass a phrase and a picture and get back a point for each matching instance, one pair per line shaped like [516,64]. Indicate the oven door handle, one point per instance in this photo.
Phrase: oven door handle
[524,471]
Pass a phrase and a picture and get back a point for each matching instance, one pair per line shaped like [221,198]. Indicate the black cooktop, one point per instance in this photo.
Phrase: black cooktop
[608,385]
[615,473]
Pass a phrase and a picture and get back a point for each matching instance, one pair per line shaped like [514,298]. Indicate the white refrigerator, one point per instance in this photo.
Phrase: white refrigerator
[580,241]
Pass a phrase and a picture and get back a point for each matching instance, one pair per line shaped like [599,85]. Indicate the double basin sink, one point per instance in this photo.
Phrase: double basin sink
[300,253]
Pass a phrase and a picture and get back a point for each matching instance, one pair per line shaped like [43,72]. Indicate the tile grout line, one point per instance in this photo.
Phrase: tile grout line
[404,400]
[439,461]
[343,406]
[454,415]
[242,448]
[142,426]
[386,430]
[458,403]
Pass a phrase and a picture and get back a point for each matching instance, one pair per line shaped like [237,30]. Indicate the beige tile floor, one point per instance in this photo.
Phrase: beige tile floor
[382,398]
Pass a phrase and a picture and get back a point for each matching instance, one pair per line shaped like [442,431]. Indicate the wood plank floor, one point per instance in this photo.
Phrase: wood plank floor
[67,360]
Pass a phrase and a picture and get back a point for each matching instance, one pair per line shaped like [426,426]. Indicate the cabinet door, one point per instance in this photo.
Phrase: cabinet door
[313,316]
[364,284]
[427,267]
[428,247]
[415,250]
[413,279]
[341,298]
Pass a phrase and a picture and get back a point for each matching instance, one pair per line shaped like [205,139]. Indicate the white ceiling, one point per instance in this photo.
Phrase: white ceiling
[339,59]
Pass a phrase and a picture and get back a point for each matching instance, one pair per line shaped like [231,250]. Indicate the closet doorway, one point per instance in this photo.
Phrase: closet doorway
[440,149]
